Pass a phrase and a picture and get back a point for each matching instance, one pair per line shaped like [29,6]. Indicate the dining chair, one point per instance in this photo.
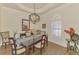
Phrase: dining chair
[5,36]
[46,39]
[16,50]
[41,45]
[72,44]
[46,36]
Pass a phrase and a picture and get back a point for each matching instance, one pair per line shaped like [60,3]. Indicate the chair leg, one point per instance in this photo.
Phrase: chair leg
[5,45]
[47,43]
[41,51]
[2,44]
[29,51]
[26,50]
[33,49]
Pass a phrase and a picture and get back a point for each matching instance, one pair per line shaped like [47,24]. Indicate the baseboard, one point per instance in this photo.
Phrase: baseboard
[63,45]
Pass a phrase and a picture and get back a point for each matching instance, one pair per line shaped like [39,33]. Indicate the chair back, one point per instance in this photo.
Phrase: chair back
[4,37]
[13,45]
[5,34]
[43,39]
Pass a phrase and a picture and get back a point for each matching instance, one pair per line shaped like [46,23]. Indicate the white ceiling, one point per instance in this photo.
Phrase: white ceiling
[29,7]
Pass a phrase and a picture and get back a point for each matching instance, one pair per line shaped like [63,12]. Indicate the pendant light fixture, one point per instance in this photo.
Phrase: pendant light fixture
[34,17]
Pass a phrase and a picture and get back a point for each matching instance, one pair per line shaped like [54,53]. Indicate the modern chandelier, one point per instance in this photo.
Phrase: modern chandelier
[34,17]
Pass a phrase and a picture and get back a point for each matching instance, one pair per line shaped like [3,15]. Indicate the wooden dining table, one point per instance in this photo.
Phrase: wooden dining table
[28,41]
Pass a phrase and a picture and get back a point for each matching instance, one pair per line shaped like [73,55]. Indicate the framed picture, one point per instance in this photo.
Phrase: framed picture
[25,24]
[43,26]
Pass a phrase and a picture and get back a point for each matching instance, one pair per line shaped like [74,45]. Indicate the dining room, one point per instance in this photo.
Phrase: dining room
[37,28]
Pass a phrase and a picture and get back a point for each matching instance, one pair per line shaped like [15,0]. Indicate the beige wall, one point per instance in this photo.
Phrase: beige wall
[0,17]
[11,19]
[0,26]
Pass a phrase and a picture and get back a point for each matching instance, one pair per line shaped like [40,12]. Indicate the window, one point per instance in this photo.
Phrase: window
[56,28]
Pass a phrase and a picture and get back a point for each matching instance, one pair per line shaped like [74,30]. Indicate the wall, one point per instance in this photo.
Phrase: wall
[0,17]
[11,20]
[70,18]
[0,25]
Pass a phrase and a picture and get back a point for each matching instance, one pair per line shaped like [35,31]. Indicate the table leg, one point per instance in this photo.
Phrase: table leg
[33,49]
[27,50]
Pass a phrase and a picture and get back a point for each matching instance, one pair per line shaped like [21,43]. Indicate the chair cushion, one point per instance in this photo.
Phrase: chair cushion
[18,47]
[20,51]
[38,45]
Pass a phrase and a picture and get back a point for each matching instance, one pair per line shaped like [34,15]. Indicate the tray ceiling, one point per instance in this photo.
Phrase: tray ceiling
[28,7]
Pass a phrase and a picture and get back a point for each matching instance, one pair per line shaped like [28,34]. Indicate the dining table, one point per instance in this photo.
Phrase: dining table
[28,41]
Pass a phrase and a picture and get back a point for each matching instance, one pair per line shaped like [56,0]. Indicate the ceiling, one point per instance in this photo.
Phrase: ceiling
[41,8]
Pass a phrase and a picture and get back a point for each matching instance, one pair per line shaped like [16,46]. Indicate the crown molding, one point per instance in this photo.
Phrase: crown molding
[30,10]
[41,11]
[55,9]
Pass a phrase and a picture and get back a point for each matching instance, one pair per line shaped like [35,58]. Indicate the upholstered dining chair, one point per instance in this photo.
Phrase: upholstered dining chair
[46,36]
[16,50]
[5,40]
[72,44]
[41,45]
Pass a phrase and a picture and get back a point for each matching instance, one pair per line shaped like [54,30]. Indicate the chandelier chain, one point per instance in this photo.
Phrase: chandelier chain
[34,7]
